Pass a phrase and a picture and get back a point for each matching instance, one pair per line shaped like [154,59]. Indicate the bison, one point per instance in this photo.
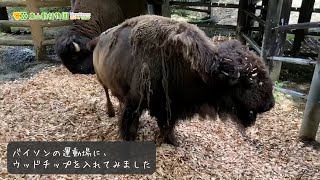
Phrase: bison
[172,69]
[70,46]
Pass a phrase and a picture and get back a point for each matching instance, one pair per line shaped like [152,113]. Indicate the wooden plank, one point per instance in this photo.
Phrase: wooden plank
[311,116]
[12,3]
[213,25]
[48,42]
[241,21]
[36,31]
[4,16]
[166,8]
[41,23]
[191,9]
[253,16]
[263,15]
[56,23]
[300,61]
[53,3]
[285,16]
[305,14]
[15,42]
[254,45]
[269,36]
[15,23]
[204,4]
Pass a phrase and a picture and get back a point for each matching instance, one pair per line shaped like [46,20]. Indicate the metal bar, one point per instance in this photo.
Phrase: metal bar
[204,4]
[300,61]
[253,16]
[290,92]
[252,43]
[306,25]
[315,10]
[311,116]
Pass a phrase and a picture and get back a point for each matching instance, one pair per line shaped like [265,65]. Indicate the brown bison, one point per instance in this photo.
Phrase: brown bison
[172,69]
[71,45]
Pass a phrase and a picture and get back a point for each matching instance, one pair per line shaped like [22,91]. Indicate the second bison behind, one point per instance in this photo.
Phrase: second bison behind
[172,69]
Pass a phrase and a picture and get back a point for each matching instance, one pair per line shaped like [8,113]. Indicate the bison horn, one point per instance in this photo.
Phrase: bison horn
[76,46]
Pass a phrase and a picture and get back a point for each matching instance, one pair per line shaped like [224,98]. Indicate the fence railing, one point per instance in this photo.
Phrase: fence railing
[38,40]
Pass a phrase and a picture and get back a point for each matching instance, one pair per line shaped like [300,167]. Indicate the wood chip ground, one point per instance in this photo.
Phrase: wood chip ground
[55,105]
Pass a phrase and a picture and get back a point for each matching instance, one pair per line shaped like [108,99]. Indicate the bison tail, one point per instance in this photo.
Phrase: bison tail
[93,43]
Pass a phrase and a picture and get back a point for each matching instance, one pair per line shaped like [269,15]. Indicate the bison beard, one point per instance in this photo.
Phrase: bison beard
[172,69]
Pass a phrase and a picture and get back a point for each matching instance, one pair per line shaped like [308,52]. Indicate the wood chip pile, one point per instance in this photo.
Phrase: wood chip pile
[55,105]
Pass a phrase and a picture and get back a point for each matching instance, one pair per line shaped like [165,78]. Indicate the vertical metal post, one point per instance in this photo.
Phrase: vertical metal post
[311,118]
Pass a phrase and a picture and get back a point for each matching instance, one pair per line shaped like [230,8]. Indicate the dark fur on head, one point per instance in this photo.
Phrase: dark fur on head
[247,74]
[71,46]
[173,69]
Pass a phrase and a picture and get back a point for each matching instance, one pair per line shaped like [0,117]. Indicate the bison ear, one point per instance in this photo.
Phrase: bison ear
[93,43]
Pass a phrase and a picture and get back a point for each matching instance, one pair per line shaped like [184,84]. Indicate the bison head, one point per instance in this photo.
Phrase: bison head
[74,54]
[246,75]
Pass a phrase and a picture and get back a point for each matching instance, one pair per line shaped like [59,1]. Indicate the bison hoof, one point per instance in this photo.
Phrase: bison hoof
[128,137]
[172,140]
[168,140]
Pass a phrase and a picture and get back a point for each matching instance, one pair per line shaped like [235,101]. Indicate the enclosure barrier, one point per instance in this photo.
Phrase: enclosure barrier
[311,117]
[36,26]
[273,26]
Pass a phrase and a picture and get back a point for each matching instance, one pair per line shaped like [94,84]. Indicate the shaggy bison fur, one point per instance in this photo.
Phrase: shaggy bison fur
[172,69]
[71,47]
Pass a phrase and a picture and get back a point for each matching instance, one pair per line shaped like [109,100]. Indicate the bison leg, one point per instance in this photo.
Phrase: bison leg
[129,121]
[110,108]
[167,130]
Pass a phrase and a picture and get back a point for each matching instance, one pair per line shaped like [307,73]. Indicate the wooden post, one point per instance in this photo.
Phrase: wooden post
[36,31]
[311,118]
[4,16]
[242,20]
[210,11]
[166,9]
[285,16]
[305,14]
[269,36]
